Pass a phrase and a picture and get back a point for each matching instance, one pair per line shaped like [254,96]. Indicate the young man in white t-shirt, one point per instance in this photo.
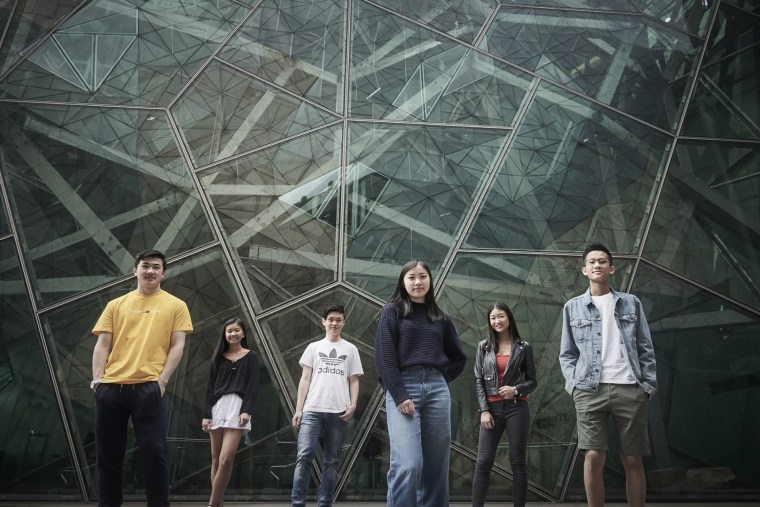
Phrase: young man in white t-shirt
[327,396]
[607,359]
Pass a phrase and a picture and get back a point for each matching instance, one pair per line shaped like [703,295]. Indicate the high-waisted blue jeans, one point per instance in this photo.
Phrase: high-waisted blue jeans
[420,443]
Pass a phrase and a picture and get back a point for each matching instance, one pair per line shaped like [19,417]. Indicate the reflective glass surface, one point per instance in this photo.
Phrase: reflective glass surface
[123,51]
[225,113]
[26,25]
[707,362]
[689,15]
[33,446]
[749,5]
[303,55]
[629,63]
[709,204]
[366,481]
[91,187]
[611,5]
[462,19]
[422,76]
[279,210]
[725,101]
[285,154]
[408,189]
[573,167]
[5,227]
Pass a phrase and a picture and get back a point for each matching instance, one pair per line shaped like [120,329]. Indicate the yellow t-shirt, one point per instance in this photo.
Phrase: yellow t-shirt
[141,328]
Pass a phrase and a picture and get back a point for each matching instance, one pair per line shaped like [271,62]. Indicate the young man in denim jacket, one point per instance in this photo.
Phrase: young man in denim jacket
[607,359]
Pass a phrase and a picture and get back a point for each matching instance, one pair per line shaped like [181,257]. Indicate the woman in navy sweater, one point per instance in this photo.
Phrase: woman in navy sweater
[230,393]
[417,352]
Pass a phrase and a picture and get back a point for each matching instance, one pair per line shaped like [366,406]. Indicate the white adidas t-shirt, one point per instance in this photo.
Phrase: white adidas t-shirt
[332,363]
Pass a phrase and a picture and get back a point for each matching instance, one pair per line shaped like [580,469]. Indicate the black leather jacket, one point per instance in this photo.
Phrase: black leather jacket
[521,372]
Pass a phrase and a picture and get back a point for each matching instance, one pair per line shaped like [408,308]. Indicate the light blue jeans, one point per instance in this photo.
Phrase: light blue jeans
[333,430]
[420,443]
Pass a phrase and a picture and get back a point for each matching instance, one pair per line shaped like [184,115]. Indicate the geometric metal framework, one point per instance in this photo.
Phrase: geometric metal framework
[286,154]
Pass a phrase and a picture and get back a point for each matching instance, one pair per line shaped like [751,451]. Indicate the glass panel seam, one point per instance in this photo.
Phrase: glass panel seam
[316,293]
[484,189]
[688,281]
[267,146]
[664,173]
[486,26]
[120,280]
[340,240]
[42,40]
[33,102]
[211,58]
[428,124]
[26,277]
[289,93]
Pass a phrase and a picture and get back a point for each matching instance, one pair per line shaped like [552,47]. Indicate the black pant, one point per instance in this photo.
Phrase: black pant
[114,405]
[513,416]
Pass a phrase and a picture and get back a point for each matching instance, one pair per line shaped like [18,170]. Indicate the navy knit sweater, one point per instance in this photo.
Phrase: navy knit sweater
[414,341]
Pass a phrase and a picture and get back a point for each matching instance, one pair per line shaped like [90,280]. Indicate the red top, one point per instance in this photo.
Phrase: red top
[502,360]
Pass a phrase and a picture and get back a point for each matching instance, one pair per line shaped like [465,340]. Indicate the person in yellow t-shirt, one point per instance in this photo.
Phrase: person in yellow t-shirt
[141,337]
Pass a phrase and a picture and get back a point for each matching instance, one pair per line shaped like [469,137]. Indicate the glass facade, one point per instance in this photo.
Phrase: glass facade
[286,154]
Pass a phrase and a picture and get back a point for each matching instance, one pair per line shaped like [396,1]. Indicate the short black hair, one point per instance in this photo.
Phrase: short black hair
[150,253]
[333,307]
[596,247]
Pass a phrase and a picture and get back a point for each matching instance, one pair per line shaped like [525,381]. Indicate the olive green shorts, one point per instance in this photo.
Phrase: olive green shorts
[628,405]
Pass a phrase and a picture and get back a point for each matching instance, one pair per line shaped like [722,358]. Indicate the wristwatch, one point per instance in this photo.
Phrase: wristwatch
[517,395]
[94,384]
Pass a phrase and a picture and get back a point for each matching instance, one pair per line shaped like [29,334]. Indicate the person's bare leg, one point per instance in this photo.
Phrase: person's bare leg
[216,448]
[635,480]
[593,477]
[230,441]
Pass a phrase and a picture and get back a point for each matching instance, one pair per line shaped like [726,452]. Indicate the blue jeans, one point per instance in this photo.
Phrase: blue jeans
[333,429]
[514,417]
[420,443]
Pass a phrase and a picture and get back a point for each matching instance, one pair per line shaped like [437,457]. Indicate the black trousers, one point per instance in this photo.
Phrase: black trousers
[115,404]
[514,417]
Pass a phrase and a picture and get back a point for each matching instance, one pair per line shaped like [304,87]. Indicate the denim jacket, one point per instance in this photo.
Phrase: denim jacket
[520,373]
[580,355]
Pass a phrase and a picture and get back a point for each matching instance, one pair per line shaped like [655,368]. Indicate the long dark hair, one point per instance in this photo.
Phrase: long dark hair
[400,295]
[491,342]
[222,346]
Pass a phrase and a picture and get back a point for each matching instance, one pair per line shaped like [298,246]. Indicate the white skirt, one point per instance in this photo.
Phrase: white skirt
[226,412]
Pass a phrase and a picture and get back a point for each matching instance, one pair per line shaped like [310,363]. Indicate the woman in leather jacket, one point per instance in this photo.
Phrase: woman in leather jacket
[504,376]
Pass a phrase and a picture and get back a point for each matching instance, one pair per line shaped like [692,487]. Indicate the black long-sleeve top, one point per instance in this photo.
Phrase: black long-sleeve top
[414,341]
[240,377]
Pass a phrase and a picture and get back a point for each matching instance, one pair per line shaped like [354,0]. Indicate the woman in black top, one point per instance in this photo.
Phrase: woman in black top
[231,391]
[504,375]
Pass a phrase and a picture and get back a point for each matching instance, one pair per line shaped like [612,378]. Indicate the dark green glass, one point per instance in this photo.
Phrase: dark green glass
[91,187]
[35,460]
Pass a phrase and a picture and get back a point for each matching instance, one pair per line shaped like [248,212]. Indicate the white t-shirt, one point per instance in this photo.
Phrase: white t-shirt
[615,369]
[332,363]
